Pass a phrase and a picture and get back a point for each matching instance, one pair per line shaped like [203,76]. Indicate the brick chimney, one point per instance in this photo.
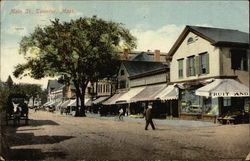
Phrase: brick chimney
[157,56]
[125,54]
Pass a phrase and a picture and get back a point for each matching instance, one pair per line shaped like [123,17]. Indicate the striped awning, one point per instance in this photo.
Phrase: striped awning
[126,98]
[170,92]
[148,94]
[113,99]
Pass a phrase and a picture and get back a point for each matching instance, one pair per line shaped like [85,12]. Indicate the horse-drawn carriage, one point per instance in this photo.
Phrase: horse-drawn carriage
[17,109]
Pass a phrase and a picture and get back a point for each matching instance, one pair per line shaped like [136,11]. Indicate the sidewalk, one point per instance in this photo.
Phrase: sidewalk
[157,121]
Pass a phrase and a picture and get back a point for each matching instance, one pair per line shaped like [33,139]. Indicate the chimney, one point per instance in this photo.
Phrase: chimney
[125,54]
[157,56]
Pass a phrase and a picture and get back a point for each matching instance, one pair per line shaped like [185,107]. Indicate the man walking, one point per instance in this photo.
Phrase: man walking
[148,117]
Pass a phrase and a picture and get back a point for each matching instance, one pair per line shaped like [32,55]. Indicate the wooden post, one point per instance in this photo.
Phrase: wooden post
[171,109]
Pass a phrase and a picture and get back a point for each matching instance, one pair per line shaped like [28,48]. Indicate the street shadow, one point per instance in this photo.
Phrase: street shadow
[32,123]
[34,154]
[161,129]
[41,122]
[29,129]
[19,139]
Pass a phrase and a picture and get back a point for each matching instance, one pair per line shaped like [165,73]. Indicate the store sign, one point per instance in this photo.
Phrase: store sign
[230,94]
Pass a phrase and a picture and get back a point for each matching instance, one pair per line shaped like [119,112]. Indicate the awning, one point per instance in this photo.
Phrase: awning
[88,103]
[170,92]
[223,88]
[112,100]
[65,103]
[128,95]
[73,102]
[148,94]
[100,100]
[55,103]
[48,103]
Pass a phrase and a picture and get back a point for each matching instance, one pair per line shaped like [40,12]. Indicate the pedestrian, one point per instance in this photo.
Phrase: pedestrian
[148,117]
[120,113]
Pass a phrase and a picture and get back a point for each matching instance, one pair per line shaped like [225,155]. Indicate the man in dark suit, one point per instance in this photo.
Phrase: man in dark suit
[148,117]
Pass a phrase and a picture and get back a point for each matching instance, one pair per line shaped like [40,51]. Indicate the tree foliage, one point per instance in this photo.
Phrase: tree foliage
[82,51]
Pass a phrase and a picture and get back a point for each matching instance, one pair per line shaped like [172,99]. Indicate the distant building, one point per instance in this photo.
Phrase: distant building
[107,87]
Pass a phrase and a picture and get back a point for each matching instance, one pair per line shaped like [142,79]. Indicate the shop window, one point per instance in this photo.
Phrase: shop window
[190,102]
[239,59]
[210,106]
[226,101]
[180,68]
[122,84]
[190,66]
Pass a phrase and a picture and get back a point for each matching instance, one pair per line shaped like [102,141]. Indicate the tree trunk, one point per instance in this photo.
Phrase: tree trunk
[78,95]
[82,108]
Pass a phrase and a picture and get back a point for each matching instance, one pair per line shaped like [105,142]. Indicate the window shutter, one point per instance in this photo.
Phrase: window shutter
[207,63]
[197,65]
[187,67]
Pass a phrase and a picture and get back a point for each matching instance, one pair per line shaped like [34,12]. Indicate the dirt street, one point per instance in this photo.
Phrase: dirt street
[60,137]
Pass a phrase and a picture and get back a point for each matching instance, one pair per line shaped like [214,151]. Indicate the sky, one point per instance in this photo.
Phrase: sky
[155,24]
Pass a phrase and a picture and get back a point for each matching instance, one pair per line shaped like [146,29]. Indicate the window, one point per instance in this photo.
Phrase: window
[107,88]
[100,88]
[190,40]
[104,88]
[190,66]
[239,59]
[203,63]
[190,102]
[226,101]
[180,68]
[122,84]
[122,72]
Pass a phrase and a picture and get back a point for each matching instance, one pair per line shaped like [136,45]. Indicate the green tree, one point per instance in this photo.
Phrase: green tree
[31,91]
[81,51]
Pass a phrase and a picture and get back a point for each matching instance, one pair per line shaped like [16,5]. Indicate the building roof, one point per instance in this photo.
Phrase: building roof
[223,35]
[139,67]
[216,36]
[143,56]
[59,88]
[54,84]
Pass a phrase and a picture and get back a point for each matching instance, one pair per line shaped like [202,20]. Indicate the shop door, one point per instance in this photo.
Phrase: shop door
[174,108]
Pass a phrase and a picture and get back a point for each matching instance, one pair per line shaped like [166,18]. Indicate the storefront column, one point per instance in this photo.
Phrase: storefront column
[129,110]
[220,104]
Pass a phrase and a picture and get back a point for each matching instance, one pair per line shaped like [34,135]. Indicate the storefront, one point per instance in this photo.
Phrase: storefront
[109,107]
[224,98]
[169,97]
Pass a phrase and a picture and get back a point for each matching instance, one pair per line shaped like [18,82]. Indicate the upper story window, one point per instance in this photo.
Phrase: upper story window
[239,59]
[122,72]
[107,88]
[203,63]
[104,88]
[190,66]
[180,68]
[122,84]
[190,40]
